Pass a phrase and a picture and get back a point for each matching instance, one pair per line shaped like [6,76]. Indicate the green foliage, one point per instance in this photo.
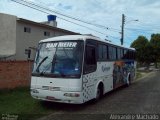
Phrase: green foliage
[141,44]
[147,51]
[138,75]
[155,42]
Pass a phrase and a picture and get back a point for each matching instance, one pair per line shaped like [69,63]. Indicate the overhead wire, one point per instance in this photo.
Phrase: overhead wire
[58,17]
[44,9]
[77,19]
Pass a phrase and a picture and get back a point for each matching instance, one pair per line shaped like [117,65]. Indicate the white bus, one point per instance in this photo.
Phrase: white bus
[78,68]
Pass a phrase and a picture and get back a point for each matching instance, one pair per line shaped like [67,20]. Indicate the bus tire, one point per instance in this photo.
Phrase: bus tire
[129,81]
[99,92]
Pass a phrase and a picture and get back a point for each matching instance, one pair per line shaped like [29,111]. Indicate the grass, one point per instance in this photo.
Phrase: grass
[138,75]
[19,102]
[141,73]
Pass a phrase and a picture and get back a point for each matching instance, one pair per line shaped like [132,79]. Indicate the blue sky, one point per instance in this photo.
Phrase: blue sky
[104,12]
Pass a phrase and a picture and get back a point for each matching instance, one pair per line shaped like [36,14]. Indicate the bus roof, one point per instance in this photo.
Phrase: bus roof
[80,37]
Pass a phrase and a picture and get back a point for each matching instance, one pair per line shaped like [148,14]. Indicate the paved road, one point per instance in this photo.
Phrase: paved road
[142,97]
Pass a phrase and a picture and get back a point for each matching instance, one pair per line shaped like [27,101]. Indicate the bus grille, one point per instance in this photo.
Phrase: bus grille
[51,88]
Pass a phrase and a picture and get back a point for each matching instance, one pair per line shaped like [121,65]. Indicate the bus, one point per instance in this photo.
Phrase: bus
[77,68]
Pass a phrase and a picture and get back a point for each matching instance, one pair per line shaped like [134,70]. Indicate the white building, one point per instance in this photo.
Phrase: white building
[19,36]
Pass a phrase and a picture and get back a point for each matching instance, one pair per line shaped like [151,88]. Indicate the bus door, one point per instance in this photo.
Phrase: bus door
[89,71]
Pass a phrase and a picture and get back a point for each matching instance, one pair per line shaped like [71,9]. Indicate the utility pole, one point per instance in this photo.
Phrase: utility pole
[122,32]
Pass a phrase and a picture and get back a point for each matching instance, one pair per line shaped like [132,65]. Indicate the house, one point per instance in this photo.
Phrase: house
[19,37]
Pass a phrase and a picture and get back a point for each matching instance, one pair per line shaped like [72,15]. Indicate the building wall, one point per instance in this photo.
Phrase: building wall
[14,40]
[7,35]
[31,39]
[15,74]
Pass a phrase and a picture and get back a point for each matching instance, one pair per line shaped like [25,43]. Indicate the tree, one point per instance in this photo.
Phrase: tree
[143,47]
[139,42]
[155,43]
[148,54]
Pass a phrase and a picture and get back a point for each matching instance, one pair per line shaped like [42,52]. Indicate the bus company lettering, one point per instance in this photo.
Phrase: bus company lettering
[105,68]
[61,44]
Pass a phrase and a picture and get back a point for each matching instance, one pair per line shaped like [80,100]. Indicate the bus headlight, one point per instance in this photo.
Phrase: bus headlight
[71,94]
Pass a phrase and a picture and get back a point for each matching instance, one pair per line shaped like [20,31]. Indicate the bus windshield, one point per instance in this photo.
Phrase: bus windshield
[59,59]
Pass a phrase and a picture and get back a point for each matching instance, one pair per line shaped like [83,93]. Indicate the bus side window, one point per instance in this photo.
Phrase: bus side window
[90,59]
[124,54]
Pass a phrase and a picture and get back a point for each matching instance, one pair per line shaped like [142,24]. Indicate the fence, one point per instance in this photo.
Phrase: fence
[15,74]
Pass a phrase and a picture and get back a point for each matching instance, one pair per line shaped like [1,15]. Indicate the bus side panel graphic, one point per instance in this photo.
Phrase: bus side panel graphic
[121,72]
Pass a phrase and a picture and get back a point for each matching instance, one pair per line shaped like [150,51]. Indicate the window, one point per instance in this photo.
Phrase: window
[90,55]
[28,53]
[119,53]
[90,59]
[60,59]
[46,33]
[124,54]
[27,29]
[112,53]
[132,55]
[128,54]
[102,52]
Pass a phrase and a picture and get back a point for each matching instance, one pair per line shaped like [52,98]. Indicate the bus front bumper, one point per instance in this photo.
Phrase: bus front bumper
[57,96]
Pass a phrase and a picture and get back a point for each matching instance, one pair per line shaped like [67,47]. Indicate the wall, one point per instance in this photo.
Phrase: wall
[7,35]
[15,74]
[26,40]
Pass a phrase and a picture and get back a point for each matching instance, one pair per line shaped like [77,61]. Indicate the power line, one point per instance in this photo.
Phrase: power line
[97,25]
[113,37]
[77,19]
[58,17]
[42,8]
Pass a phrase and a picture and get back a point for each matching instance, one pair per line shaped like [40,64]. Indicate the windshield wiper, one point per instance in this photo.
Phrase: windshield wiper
[37,70]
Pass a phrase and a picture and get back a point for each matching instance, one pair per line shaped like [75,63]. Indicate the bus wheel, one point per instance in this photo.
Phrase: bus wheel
[129,81]
[99,92]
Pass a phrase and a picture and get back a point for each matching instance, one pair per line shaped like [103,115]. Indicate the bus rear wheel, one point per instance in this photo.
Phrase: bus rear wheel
[129,81]
[99,92]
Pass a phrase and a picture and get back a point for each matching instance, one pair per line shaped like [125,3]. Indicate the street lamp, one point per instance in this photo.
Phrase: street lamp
[131,21]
